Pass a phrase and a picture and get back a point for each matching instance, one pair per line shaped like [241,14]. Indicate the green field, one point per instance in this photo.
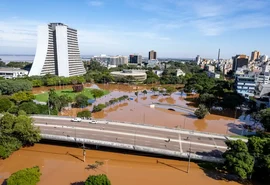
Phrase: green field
[43,97]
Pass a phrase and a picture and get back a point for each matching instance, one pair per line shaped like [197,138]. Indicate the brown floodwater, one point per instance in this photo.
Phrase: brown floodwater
[63,166]
[138,110]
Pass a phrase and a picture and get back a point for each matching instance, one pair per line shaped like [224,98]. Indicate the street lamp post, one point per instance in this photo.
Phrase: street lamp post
[189,152]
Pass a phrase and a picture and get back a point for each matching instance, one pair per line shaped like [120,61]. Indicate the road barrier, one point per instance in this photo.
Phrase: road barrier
[133,147]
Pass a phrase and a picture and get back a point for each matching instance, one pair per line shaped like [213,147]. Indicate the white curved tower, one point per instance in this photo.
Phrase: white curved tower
[57,52]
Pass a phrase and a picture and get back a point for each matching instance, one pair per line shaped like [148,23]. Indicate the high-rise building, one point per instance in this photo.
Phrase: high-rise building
[240,61]
[135,59]
[152,55]
[198,59]
[57,52]
[255,55]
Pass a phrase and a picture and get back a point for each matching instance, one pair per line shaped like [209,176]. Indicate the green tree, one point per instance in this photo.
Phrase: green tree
[81,100]
[232,100]
[64,100]
[53,100]
[29,107]
[98,107]
[154,89]
[264,117]
[207,99]
[13,110]
[25,131]
[256,146]
[29,176]
[101,179]
[170,90]
[8,144]
[84,114]
[201,111]
[144,92]
[5,104]
[8,87]
[97,93]
[237,159]
[2,64]
[22,96]
[37,83]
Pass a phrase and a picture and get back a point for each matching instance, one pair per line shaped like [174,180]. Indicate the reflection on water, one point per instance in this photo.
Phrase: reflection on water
[200,124]
[138,110]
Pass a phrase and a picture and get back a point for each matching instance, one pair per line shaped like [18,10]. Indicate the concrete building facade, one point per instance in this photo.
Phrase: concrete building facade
[135,59]
[152,55]
[57,52]
[240,61]
[255,55]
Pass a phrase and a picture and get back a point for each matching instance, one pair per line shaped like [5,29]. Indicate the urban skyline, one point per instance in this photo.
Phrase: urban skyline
[201,29]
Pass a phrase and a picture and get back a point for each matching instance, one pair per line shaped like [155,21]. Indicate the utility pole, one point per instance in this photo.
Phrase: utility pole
[84,153]
[189,152]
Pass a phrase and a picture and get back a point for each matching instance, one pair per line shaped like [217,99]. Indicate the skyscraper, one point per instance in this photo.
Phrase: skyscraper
[135,59]
[152,55]
[57,52]
[240,61]
[255,55]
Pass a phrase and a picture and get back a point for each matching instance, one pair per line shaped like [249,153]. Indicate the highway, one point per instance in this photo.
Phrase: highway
[137,135]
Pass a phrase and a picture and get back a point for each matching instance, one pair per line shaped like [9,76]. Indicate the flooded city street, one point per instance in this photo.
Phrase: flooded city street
[137,110]
[64,166]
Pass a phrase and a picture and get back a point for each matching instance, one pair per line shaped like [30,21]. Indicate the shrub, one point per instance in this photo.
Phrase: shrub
[201,111]
[29,176]
[84,114]
[97,180]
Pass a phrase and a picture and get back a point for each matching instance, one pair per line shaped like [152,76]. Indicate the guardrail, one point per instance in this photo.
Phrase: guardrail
[133,147]
[139,124]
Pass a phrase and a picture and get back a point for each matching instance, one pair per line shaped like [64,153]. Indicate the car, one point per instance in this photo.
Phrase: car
[76,120]
[93,122]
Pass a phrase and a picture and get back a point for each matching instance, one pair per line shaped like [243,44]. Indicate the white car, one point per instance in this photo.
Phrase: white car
[76,120]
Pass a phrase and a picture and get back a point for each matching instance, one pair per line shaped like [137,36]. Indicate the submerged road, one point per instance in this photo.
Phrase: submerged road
[137,135]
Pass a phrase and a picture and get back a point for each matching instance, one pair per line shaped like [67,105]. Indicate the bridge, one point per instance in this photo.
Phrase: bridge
[137,137]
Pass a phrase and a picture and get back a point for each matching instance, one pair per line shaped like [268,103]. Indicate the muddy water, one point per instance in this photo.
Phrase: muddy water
[138,110]
[63,166]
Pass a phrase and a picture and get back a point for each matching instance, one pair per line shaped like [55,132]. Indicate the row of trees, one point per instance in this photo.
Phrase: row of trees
[249,160]
[53,80]
[21,102]
[15,132]
[15,64]
[101,106]
[8,87]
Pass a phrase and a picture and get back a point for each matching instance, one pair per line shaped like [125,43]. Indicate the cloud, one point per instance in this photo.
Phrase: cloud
[95,3]
[210,17]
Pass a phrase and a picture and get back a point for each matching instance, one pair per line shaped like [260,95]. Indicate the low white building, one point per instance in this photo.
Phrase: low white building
[9,73]
[179,72]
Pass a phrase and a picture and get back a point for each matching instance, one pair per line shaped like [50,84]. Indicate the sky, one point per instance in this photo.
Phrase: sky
[173,28]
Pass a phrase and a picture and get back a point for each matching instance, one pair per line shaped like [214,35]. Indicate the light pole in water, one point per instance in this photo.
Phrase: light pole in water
[189,153]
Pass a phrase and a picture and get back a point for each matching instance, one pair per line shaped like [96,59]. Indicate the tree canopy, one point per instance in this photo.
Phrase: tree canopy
[16,131]
[29,176]
[97,180]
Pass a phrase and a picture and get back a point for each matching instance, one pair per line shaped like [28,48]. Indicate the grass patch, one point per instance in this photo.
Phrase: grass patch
[43,97]
[240,137]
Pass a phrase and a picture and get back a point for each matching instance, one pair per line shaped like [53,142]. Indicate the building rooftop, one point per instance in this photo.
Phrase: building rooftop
[10,69]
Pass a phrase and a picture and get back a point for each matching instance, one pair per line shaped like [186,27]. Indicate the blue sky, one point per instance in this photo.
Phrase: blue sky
[174,28]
